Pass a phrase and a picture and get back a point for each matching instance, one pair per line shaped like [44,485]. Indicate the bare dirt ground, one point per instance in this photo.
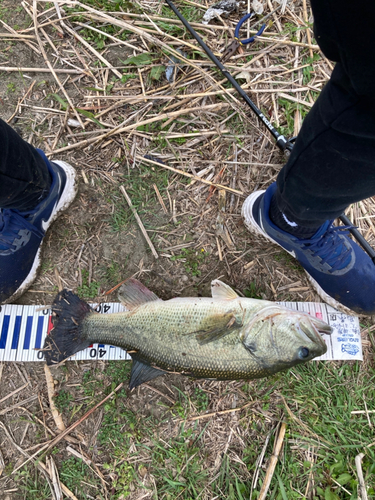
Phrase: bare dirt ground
[97,244]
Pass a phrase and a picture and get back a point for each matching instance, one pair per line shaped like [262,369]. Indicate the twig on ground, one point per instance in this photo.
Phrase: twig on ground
[51,392]
[259,463]
[46,60]
[54,475]
[14,392]
[13,32]
[273,462]
[362,486]
[216,413]
[2,463]
[186,174]
[120,130]
[140,224]
[50,444]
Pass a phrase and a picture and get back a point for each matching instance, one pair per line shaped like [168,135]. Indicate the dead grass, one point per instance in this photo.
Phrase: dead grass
[101,101]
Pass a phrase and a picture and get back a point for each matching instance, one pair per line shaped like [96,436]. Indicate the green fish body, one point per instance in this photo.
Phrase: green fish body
[225,337]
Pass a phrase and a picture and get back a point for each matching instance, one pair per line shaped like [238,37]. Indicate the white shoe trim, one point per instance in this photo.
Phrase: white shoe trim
[327,298]
[68,195]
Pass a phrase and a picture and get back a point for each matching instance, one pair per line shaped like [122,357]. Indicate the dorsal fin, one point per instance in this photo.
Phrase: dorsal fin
[132,294]
[222,291]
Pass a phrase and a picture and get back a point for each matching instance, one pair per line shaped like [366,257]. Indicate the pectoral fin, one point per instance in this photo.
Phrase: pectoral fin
[220,327]
[142,372]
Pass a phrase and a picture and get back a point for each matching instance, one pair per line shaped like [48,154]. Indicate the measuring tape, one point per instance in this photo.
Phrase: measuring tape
[24,328]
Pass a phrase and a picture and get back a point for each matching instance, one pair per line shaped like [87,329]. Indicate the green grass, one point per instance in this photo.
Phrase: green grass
[192,259]
[287,260]
[139,186]
[289,108]
[184,458]
[86,290]
[322,396]
[32,484]
[78,476]
[252,291]
[63,400]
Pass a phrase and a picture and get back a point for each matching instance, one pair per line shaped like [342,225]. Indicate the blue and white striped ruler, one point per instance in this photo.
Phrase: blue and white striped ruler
[24,328]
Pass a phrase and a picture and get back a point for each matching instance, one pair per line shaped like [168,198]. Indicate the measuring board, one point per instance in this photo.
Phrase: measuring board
[24,328]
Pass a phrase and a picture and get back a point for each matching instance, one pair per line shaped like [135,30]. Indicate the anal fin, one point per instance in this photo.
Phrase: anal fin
[142,372]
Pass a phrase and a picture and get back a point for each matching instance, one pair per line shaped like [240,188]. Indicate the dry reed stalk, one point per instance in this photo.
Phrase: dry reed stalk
[186,174]
[139,222]
[161,201]
[273,461]
[51,393]
[362,486]
[20,101]
[277,91]
[306,20]
[366,216]
[203,133]
[150,38]
[13,32]
[2,463]
[295,99]
[128,128]
[147,33]
[14,392]
[111,37]
[217,413]
[39,464]
[289,42]
[54,475]
[16,35]
[50,444]
[46,60]
[91,49]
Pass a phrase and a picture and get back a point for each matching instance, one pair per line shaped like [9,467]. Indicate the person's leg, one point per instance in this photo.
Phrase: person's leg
[332,163]
[330,167]
[33,192]
[24,176]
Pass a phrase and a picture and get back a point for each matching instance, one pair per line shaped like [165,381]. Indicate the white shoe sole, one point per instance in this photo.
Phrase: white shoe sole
[253,227]
[67,197]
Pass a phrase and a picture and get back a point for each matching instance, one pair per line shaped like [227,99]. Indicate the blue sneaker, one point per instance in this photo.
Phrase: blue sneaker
[339,270]
[22,233]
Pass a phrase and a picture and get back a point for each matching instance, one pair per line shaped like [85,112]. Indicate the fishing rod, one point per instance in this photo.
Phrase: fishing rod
[285,145]
[281,141]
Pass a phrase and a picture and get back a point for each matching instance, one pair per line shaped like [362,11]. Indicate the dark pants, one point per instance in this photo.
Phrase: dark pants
[332,163]
[24,176]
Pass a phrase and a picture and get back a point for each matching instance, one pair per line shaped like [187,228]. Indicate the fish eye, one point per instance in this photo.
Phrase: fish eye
[304,353]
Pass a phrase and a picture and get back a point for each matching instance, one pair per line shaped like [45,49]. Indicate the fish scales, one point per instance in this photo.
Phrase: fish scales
[162,333]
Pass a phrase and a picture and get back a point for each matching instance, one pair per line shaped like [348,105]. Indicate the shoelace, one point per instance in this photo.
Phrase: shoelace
[11,221]
[327,247]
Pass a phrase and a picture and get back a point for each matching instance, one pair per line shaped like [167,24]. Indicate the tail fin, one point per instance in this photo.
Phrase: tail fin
[66,337]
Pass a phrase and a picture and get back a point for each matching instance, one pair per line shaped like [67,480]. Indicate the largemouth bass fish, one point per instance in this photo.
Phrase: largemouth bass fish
[225,337]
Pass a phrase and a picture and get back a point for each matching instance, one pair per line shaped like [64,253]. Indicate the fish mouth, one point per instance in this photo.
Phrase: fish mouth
[313,328]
